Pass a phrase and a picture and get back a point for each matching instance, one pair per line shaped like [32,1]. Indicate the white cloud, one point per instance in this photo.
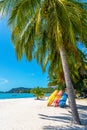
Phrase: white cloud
[3,81]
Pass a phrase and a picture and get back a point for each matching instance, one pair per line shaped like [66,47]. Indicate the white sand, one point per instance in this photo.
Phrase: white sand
[31,114]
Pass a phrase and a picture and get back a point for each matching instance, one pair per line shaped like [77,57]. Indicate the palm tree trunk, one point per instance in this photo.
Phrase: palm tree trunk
[69,86]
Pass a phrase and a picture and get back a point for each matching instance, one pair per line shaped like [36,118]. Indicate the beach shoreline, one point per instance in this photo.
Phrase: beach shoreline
[31,114]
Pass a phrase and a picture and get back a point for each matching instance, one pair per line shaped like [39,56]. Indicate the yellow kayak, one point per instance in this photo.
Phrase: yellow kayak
[52,97]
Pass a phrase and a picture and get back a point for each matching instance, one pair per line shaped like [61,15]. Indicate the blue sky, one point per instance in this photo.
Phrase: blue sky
[15,73]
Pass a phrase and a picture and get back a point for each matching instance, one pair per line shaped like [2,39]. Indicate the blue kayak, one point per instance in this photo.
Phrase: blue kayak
[63,100]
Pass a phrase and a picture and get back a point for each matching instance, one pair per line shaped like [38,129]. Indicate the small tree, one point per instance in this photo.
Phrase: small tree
[38,92]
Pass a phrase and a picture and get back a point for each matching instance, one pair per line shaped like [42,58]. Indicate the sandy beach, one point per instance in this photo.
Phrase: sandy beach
[31,114]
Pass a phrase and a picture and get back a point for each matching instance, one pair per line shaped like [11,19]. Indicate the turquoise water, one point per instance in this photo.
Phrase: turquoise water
[15,95]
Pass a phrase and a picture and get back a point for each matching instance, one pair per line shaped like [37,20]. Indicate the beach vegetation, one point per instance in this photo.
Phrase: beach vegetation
[48,30]
[79,80]
[38,92]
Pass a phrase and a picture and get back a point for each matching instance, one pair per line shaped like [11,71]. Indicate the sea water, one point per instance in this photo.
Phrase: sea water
[18,95]
[15,95]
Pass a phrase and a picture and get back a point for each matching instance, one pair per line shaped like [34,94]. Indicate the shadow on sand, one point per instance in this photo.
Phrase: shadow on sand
[83,114]
[65,127]
[66,119]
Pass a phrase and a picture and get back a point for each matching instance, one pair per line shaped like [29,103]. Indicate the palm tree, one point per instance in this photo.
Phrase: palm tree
[48,31]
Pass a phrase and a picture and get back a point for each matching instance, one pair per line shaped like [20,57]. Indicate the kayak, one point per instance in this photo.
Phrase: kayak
[57,98]
[52,97]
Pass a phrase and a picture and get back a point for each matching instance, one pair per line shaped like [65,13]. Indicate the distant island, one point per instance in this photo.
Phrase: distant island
[18,90]
[27,90]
